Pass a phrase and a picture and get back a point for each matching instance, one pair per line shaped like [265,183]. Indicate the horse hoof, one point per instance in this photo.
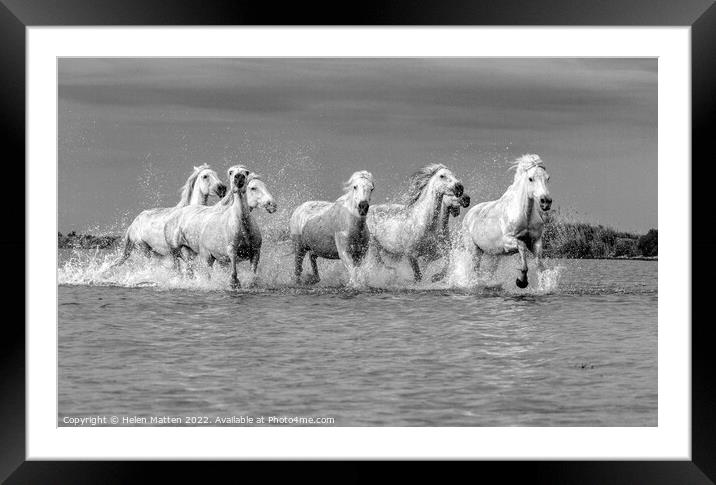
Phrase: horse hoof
[521,283]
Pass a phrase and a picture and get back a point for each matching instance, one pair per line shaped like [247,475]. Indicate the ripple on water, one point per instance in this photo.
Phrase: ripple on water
[582,352]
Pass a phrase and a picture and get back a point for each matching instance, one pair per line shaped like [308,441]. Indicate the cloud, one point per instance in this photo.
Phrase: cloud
[330,87]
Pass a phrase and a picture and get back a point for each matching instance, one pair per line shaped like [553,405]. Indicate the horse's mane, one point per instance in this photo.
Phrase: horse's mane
[524,163]
[419,180]
[186,189]
[361,174]
[347,185]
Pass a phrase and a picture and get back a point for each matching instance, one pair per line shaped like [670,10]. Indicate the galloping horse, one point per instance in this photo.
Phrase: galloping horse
[147,229]
[514,222]
[225,231]
[410,230]
[333,230]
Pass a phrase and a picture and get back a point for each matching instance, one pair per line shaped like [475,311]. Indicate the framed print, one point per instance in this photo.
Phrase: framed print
[430,235]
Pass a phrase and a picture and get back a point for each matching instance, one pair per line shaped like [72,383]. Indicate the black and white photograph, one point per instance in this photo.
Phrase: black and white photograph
[357,241]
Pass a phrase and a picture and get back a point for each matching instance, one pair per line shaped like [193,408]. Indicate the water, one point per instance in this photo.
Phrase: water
[576,348]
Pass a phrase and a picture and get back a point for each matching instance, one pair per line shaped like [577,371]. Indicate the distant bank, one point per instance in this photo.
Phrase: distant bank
[561,240]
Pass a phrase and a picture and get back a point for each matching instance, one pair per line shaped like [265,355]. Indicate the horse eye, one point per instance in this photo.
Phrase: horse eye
[253,188]
[355,187]
[206,176]
[531,179]
[442,176]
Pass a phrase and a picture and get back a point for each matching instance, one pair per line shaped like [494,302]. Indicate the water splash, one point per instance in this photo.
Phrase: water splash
[276,271]
[548,279]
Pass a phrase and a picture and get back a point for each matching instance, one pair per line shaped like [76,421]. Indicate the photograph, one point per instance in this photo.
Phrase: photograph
[357,241]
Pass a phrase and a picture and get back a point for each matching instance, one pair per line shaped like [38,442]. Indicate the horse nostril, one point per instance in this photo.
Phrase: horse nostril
[459,189]
[363,206]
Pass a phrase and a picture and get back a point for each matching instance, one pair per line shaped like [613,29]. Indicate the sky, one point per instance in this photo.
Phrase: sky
[130,130]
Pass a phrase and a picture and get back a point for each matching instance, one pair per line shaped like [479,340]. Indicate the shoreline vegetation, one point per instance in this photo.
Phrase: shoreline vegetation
[562,239]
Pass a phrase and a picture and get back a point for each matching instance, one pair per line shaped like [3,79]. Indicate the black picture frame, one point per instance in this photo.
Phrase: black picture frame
[700,15]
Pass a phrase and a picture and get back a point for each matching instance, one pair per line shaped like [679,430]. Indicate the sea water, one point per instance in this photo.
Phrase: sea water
[578,347]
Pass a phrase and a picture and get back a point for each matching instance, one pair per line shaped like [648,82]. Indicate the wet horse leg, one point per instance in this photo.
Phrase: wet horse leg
[188,256]
[255,257]
[476,256]
[232,263]
[209,261]
[254,260]
[494,262]
[416,268]
[447,251]
[440,275]
[522,282]
[146,249]
[511,243]
[314,267]
[346,257]
[128,247]
[537,251]
[299,252]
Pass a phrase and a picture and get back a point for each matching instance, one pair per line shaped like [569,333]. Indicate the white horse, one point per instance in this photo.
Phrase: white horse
[204,230]
[410,230]
[514,222]
[333,230]
[147,229]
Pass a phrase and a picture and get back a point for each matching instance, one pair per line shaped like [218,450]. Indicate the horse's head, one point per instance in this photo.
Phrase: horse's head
[208,182]
[454,204]
[258,195]
[532,171]
[238,176]
[358,191]
[444,182]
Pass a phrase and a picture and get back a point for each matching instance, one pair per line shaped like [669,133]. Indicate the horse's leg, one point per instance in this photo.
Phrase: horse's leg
[188,256]
[416,268]
[522,282]
[537,251]
[440,275]
[208,261]
[175,254]
[447,250]
[314,267]
[232,263]
[300,253]
[343,254]
[146,249]
[494,262]
[254,260]
[255,257]
[128,247]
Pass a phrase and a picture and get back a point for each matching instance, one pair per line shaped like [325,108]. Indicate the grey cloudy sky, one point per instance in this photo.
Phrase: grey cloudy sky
[131,129]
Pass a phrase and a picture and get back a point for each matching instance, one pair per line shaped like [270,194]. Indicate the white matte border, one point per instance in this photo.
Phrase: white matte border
[671,439]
